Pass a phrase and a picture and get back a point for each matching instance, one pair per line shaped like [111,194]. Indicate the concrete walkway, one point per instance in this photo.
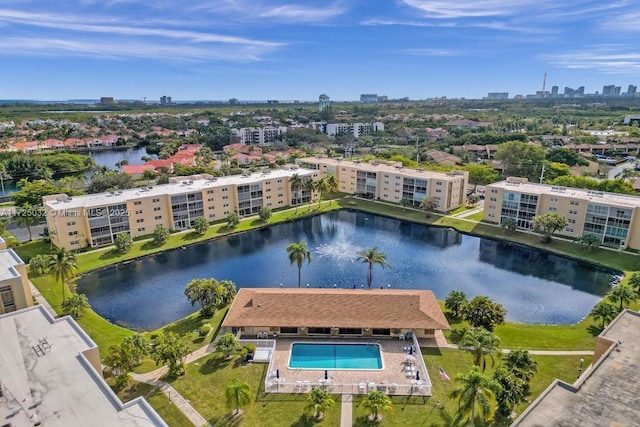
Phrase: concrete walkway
[181,403]
[346,414]
[541,352]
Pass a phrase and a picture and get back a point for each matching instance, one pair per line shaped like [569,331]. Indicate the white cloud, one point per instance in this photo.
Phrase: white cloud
[434,52]
[127,49]
[251,10]
[605,59]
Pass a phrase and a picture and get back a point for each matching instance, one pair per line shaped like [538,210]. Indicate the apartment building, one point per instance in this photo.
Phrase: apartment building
[15,293]
[260,135]
[612,217]
[95,219]
[51,375]
[391,182]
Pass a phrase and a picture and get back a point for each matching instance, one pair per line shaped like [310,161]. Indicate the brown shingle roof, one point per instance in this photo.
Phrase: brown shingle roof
[375,308]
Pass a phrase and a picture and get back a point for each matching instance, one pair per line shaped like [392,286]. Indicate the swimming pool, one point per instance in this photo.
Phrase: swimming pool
[335,356]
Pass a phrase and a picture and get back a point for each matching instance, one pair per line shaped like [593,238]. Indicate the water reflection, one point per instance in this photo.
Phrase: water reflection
[534,286]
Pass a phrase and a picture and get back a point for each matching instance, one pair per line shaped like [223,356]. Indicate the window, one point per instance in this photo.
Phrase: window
[438,182]
[555,199]
[552,209]
[157,217]
[572,212]
[570,230]
[140,230]
[493,190]
[156,209]
[73,233]
[493,199]
[138,212]
[209,191]
[137,203]
[139,221]
[156,200]
[71,223]
[573,202]
[225,197]
[75,242]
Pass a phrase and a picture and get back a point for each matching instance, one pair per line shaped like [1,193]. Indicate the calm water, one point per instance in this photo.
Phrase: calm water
[534,286]
[335,356]
[111,157]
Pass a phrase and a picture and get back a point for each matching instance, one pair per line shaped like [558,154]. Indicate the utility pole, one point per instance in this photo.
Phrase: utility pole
[417,150]
[542,173]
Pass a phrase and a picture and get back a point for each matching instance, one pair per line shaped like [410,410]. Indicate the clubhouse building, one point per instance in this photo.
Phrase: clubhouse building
[353,313]
[95,219]
[613,218]
[391,182]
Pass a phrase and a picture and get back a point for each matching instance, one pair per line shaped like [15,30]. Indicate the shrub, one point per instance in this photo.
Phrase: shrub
[204,330]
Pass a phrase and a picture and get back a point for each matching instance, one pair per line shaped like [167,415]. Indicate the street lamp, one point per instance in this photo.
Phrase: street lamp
[580,368]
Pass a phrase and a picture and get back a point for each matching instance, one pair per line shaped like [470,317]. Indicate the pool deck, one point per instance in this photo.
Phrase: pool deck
[391,378]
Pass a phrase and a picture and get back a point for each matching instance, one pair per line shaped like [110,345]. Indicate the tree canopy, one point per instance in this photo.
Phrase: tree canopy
[521,159]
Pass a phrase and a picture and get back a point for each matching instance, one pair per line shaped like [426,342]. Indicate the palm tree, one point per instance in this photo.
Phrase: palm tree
[76,305]
[521,363]
[454,302]
[429,204]
[372,257]
[474,394]
[298,252]
[321,187]
[319,401]
[605,311]
[62,264]
[238,394]
[622,293]
[626,174]
[481,344]
[376,402]
[331,183]
[297,184]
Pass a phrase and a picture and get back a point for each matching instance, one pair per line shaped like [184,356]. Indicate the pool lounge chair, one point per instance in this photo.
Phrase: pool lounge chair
[298,386]
[372,387]
[362,388]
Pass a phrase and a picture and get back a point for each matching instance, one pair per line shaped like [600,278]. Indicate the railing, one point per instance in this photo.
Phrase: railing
[420,363]
[281,385]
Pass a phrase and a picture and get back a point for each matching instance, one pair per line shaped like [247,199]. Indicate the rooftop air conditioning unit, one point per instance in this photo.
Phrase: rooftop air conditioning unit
[189,182]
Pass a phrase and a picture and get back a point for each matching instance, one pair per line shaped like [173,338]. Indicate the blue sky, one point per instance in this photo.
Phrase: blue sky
[283,49]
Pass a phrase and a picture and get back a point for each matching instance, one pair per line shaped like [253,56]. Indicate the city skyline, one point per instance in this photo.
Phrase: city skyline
[84,49]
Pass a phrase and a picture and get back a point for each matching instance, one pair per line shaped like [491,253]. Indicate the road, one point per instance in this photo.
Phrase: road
[618,168]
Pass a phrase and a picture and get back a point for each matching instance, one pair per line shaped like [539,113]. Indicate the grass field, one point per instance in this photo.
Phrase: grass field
[159,401]
[205,383]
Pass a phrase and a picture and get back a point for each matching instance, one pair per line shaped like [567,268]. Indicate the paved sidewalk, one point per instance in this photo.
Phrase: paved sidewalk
[181,403]
[542,352]
[346,414]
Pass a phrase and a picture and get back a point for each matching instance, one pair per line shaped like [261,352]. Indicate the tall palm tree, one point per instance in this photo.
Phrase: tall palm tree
[605,311]
[238,394]
[475,393]
[376,402]
[623,293]
[481,344]
[62,264]
[321,187]
[319,401]
[372,256]
[297,184]
[298,253]
[332,185]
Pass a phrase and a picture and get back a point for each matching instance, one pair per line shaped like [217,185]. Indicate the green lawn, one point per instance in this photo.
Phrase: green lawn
[439,409]
[205,382]
[159,401]
[28,250]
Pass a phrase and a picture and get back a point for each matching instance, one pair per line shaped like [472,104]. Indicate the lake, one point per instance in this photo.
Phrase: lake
[534,286]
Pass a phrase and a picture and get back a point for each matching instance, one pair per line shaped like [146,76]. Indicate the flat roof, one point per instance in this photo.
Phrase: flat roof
[607,394]
[186,185]
[8,260]
[343,308]
[601,197]
[379,166]
[58,386]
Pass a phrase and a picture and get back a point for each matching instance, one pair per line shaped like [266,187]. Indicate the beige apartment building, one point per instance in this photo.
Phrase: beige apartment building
[95,219]
[390,182]
[614,218]
[15,293]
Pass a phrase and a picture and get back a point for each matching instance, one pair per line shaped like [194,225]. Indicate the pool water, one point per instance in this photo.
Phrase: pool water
[335,356]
